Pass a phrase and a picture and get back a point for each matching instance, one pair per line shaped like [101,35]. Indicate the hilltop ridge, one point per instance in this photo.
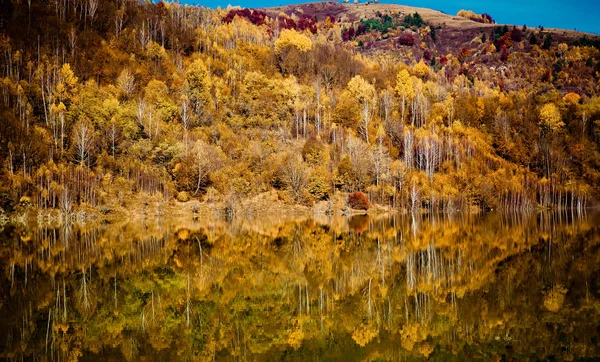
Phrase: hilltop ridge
[355,12]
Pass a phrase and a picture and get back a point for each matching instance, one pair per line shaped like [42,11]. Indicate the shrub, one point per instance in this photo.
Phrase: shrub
[348,34]
[406,39]
[427,55]
[463,55]
[358,201]
[533,39]
[183,196]
[319,183]
[256,17]
[547,42]
[504,53]
[383,24]
[516,35]
[413,20]
[306,22]
[572,98]
[480,18]
[314,151]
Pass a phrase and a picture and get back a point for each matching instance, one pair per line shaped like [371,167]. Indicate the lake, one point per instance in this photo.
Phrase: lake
[390,288]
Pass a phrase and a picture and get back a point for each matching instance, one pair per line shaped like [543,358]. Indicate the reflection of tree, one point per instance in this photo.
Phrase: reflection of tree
[188,290]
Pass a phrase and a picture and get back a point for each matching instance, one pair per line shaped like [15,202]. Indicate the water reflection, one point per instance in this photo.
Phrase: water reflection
[361,288]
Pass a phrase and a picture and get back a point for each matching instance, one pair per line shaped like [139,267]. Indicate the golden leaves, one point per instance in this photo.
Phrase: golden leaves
[364,333]
[361,89]
[290,38]
[421,70]
[555,298]
[550,118]
[572,98]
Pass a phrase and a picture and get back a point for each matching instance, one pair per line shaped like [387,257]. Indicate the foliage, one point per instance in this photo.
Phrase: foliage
[413,20]
[550,118]
[314,151]
[555,298]
[480,18]
[290,38]
[319,183]
[547,42]
[382,24]
[358,201]
[572,98]
[256,17]
[364,334]
[406,39]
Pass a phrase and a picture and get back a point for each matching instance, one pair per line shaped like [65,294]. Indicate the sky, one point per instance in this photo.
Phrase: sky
[582,15]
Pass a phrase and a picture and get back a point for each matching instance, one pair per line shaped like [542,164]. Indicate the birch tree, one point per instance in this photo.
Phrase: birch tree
[365,94]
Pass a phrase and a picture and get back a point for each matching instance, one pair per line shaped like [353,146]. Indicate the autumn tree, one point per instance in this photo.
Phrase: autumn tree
[295,175]
[83,138]
[550,123]
[358,201]
[365,94]
[207,159]
[291,48]
[405,90]
[126,82]
[550,118]
[198,83]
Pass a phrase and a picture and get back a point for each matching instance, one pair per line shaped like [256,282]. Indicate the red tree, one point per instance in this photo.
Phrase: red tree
[358,201]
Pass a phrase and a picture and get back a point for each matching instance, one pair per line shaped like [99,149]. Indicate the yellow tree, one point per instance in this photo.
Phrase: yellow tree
[67,84]
[126,82]
[290,48]
[366,95]
[291,38]
[550,123]
[57,115]
[207,159]
[550,119]
[421,70]
[405,89]
[198,84]
[295,174]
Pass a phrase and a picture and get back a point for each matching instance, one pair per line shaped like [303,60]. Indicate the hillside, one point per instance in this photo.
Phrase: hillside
[123,107]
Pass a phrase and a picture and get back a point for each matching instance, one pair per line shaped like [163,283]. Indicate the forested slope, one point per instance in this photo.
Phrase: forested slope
[105,100]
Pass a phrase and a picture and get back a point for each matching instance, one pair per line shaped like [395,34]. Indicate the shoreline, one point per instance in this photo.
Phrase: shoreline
[265,206]
[144,207]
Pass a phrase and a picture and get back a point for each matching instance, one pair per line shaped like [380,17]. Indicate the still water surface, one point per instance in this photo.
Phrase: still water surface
[490,287]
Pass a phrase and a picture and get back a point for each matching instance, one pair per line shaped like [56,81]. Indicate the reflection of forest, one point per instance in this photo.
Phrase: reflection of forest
[360,288]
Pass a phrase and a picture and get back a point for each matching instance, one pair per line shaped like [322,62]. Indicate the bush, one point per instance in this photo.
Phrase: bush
[183,196]
[256,17]
[406,39]
[314,151]
[547,42]
[348,34]
[358,201]
[413,20]
[516,35]
[319,183]
[480,18]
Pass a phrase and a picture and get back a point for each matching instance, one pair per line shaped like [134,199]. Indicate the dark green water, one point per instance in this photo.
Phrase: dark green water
[491,287]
